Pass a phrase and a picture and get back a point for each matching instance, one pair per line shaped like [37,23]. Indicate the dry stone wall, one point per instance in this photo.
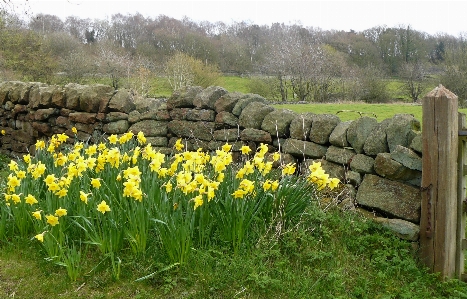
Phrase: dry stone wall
[380,162]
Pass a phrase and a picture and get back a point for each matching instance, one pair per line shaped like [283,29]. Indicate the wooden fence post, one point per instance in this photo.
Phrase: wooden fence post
[438,222]
[461,219]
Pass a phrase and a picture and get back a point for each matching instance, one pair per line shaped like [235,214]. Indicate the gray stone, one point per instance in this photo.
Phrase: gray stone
[253,115]
[149,104]
[376,141]
[393,170]
[300,126]
[134,117]
[191,129]
[72,94]
[354,178]
[82,117]
[228,101]
[183,97]
[322,127]
[245,100]
[362,164]
[156,115]
[255,135]
[406,157]
[403,229]
[200,115]
[339,155]
[208,97]
[95,98]
[402,130]
[302,148]
[277,122]
[116,127]
[41,95]
[43,114]
[226,119]
[114,116]
[392,198]
[19,92]
[179,113]
[227,135]
[157,141]
[358,132]
[150,128]
[417,143]
[122,101]
[338,136]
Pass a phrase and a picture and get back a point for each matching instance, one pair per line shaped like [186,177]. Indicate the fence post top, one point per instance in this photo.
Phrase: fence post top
[439,92]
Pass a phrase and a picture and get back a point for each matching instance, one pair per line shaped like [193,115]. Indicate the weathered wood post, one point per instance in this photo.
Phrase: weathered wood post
[461,173]
[438,222]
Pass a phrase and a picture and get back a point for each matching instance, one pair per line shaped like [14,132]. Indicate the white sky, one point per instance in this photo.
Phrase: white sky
[429,16]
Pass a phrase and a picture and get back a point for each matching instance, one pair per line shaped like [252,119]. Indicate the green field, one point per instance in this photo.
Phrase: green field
[351,111]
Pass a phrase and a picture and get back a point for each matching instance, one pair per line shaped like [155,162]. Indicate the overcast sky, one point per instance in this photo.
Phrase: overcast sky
[429,16]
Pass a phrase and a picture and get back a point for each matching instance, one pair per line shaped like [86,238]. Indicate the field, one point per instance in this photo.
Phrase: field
[351,111]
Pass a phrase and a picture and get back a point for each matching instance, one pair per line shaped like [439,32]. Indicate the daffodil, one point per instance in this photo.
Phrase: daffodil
[226,147]
[178,145]
[52,220]
[30,199]
[141,138]
[13,165]
[289,169]
[198,200]
[60,212]
[84,196]
[40,144]
[168,187]
[333,183]
[103,207]
[113,139]
[37,215]
[27,158]
[96,183]
[40,237]
[245,150]
[3,132]
[16,198]
[74,130]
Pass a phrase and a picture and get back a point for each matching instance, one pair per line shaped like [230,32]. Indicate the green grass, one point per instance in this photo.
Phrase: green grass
[352,111]
[332,254]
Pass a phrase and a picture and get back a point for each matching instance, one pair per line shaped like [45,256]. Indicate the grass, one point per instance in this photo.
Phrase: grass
[352,111]
[329,254]
[332,254]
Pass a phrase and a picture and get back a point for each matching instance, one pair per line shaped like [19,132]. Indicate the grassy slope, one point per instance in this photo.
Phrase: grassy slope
[331,255]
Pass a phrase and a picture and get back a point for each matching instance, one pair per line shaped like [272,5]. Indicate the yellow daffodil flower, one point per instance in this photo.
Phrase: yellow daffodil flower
[245,150]
[60,212]
[30,199]
[52,220]
[103,207]
[37,215]
[40,237]
[96,183]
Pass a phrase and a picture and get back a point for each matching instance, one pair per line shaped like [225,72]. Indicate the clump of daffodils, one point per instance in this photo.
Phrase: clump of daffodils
[76,176]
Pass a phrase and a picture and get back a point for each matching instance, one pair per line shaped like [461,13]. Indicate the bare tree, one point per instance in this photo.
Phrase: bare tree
[413,74]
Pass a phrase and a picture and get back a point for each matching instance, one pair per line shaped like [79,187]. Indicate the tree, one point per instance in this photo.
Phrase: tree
[413,74]
[183,70]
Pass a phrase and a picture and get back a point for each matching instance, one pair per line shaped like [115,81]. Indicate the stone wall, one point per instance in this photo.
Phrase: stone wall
[380,162]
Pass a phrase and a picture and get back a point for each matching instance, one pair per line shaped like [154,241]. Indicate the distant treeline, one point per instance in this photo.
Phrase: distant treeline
[289,62]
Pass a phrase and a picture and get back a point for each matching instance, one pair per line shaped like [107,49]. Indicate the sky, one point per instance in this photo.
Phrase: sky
[432,17]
